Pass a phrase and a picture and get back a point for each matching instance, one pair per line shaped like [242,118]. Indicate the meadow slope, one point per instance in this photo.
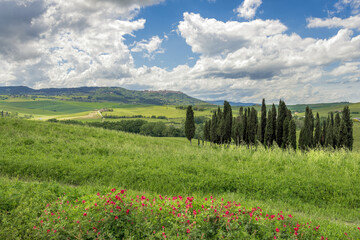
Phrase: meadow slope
[321,186]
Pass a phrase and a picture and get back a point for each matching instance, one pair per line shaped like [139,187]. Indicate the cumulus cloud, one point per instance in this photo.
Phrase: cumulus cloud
[244,56]
[60,43]
[259,49]
[150,47]
[353,4]
[248,8]
[352,22]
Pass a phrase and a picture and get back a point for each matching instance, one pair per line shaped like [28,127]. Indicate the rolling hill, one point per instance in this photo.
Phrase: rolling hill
[112,94]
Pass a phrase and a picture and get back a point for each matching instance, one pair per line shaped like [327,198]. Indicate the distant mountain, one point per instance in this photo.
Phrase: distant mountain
[113,94]
[234,104]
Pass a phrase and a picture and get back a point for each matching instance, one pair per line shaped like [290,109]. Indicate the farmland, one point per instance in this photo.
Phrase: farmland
[40,161]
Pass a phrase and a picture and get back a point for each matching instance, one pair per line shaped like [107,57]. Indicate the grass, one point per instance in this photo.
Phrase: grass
[320,186]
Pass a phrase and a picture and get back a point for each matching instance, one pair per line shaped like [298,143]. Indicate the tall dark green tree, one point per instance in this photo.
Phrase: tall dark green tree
[252,125]
[189,124]
[285,140]
[292,134]
[306,133]
[268,141]
[206,136]
[337,123]
[280,122]
[263,122]
[228,122]
[347,138]
[274,116]
[245,127]
[317,135]
[329,133]
[323,134]
[213,128]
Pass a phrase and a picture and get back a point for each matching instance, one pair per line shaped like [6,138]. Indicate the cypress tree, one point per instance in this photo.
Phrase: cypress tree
[241,124]
[306,133]
[273,114]
[263,122]
[337,130]
[333,142]
[323,134]
[268,141]
[213,128]
[207,130]
[329,133]
[221,130]
[189,124]
[245,127]
[292,134]
[285,134]
[252,125]
[317,135]
[280,122]
[235,132]
[228,122]
[348,128]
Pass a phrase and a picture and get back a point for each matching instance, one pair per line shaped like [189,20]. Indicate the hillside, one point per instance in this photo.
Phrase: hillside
[112,94]
[54,159]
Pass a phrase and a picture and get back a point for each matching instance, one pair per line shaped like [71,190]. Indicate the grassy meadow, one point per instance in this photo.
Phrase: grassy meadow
[40,161]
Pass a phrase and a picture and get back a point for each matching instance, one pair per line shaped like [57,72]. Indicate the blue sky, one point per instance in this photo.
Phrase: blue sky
[240,50]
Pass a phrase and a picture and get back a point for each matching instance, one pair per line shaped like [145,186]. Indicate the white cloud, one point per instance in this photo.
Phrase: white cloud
[348,68]
[352,22]
[149,47]
[354,5]
[76,43]
[211,37]
[258,59]
[248,8]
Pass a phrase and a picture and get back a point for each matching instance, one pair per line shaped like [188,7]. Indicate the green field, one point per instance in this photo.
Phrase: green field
[40,161]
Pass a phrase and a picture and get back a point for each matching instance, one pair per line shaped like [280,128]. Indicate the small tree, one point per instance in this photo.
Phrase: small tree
[189,124]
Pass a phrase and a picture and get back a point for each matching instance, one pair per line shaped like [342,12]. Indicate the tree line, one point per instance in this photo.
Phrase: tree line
[275,126]
[153,129]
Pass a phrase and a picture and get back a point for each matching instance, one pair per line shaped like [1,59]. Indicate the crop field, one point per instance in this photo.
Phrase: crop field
[43,163]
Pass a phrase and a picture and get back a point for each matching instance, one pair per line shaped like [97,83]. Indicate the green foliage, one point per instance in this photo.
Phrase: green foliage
[263,122]
[317,134]
[292,134]
[280,123]
[269,130]
[347,139]
[189,123]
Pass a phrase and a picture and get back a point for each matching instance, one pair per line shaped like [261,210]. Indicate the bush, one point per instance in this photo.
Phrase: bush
[119,216]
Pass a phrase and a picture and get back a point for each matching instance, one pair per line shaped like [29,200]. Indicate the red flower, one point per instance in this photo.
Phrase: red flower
[34,227]
[277,230]
[83,201]
[85,214]
[116,217]
[275,237]
[187,230]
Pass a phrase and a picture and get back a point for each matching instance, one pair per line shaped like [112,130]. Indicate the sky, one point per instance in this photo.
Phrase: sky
[304,51]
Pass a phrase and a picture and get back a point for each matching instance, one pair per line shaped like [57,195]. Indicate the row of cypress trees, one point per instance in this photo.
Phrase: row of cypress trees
[335,132]
[246,129]
[275,126]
